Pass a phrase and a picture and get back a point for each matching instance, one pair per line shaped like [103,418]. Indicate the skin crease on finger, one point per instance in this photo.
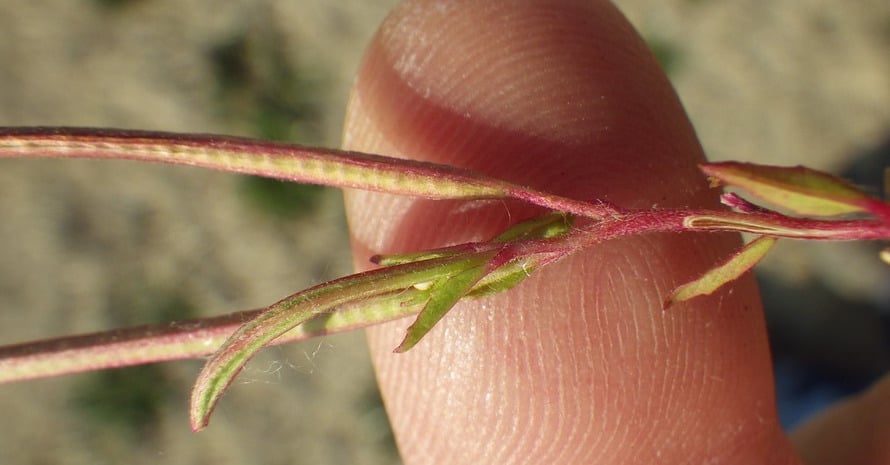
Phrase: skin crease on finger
[578,364]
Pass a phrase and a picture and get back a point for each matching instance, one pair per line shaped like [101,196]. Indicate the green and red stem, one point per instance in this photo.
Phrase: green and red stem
[426,283]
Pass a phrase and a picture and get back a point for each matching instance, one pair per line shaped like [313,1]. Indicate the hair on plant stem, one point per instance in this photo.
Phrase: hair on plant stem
[427,283]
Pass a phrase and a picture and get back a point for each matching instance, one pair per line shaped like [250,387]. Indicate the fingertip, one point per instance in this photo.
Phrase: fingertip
[561,96]
[854,431]
[578,364]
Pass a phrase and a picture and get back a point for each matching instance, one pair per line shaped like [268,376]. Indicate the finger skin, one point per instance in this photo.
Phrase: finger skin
[853,432]
[579,364]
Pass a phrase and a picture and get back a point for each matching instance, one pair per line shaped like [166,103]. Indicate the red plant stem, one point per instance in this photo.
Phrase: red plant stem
[774,224]
[289,162]
[137,345]
[198,338]
[654,221]
[600,222]
[118,348]
[879,209]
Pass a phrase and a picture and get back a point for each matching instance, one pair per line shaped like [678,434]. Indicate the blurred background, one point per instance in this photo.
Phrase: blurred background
[93,245]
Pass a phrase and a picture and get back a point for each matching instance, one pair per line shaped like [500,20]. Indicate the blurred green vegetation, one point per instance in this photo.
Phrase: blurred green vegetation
[111,4]
[124,401]
[280,199]
[129,401]
[137,304]
[262,93]
[668,54]
[370,407]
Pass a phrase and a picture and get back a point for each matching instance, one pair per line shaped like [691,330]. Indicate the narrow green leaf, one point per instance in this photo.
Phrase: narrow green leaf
[515,271]
[541,227]
[391,287]
[444,294]
[429,282]
[400,259]
[799,189]
[504,278]
[723,273]
[509,274]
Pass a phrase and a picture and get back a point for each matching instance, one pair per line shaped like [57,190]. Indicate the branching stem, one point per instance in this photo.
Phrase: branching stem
[426,283]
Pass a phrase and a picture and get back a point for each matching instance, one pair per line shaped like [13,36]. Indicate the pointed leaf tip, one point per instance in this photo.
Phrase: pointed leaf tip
[443,295]
[799,189]
[723,273]
[393,288]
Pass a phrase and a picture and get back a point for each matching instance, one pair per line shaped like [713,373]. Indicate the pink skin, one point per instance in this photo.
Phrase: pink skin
[579,364]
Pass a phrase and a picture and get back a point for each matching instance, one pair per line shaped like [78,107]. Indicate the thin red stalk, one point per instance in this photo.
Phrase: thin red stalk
[354,170]
[289,162]
[766,223]
[879,209]
[137,345]
[118,348]
[773,224]
[655,221]
[199,338]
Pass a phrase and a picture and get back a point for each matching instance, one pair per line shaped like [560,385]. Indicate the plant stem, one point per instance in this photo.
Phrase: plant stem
[178,340]
[289,162]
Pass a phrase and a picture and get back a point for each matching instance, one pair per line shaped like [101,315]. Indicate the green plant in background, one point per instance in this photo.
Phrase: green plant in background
[281,199]
[425,283]
[668,54]
[113,4]
[260,90]
[128,400]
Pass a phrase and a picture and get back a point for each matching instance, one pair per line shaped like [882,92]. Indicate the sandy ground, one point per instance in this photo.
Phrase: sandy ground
[89,245]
